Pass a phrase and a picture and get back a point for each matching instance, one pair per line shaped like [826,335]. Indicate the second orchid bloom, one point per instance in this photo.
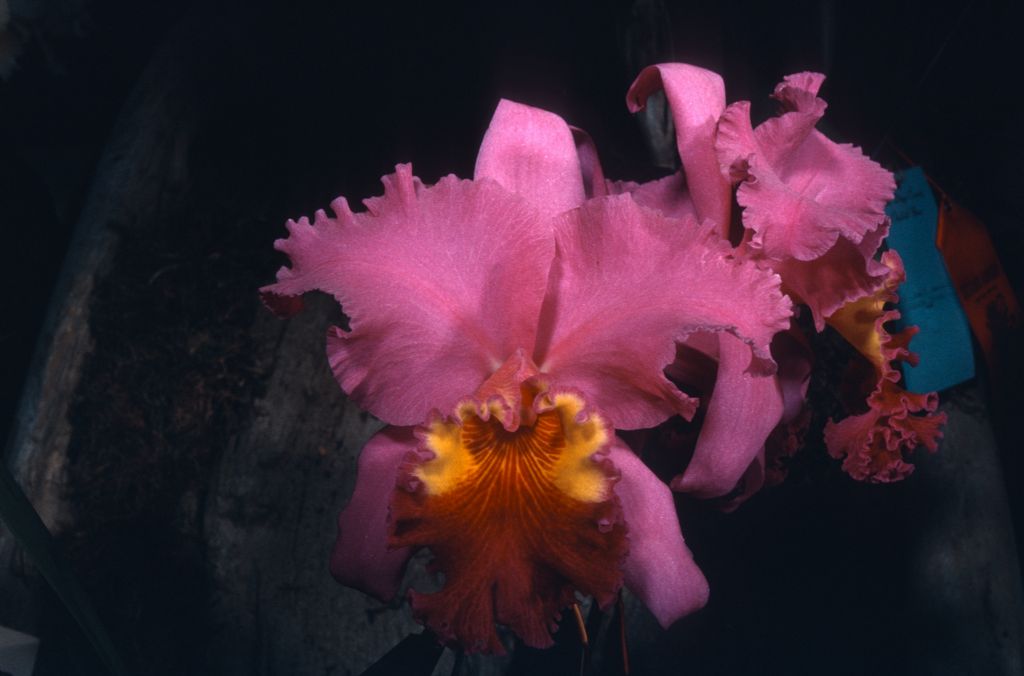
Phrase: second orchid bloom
[506,326]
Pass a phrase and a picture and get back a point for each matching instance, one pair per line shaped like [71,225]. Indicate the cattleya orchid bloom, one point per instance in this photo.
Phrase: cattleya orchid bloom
[812,212]
[505,327]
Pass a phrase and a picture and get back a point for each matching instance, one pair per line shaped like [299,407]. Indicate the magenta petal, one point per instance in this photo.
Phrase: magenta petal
[742,412]
[667,195]
[361,558]
[795,359]
[735,144]
[629,283]
[875,445]
[532,152]
[781,136]
[697,99]
[749,483]
[843,274]
[800,191]
[594,183]
[659,569]
[441,284]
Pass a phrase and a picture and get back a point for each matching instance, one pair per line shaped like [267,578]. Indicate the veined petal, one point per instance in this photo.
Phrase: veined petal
[743,410]
[517,519]
[659,569]
[800,191]
[697,99]
[874,444]
[361,558]
[532,152]
[441,283]
[626,286]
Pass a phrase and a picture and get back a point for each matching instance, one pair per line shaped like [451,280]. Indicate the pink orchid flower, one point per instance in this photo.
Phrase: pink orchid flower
[505,327]
[812,212]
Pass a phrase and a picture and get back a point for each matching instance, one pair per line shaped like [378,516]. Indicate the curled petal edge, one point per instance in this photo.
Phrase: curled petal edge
[742,412]
[873,445]
[659,568]
[696,97]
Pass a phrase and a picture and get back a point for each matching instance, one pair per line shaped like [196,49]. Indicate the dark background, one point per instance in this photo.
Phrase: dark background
[315,100]
[375,86]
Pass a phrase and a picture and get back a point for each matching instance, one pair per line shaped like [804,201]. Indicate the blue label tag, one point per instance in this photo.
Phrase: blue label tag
[928,299]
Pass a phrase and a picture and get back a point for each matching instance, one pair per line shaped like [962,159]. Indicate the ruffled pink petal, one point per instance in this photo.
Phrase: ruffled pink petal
[441,284]
[697,99]
[667,195]
[800,191]
[735,143]
[743,410]
[361,558]
[781,136]
[845,273]
[874,445]
[659,568]
[626,286]
[532,152]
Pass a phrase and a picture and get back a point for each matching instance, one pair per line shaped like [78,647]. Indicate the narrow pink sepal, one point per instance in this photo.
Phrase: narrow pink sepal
[800,191]
[697,98]
[743,410]
[626,286]
[532,152]
[441,283]
[659,568]
[361,558]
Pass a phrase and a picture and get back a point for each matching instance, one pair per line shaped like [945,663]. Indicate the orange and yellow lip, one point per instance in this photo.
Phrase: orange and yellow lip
[518,520]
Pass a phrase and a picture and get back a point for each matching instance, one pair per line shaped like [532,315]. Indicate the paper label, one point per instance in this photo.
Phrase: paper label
[928,298]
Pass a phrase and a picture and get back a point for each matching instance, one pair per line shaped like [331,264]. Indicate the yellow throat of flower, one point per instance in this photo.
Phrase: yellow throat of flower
[551,448]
